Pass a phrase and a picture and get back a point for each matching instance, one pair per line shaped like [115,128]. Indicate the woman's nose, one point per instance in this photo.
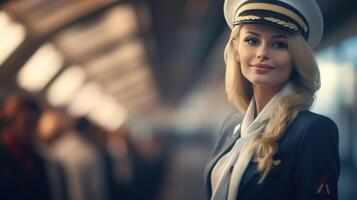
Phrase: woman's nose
[263,52]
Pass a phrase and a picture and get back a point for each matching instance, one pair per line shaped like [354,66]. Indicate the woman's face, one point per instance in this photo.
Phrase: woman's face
[262,52]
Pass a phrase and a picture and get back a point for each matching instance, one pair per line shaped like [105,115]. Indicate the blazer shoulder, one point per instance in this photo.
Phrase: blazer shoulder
[307,118]
[232,119]
[313,125]
[229,123]
[310,118]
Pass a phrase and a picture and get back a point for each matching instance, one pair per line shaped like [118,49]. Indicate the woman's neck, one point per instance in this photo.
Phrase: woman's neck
[262,96]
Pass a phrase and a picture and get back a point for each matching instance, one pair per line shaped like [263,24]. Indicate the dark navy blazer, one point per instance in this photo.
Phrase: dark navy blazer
[309,167]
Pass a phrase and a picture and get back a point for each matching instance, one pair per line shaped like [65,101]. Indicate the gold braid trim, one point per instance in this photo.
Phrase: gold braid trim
[273,8]
[272,19]
[247,17]
[282,23]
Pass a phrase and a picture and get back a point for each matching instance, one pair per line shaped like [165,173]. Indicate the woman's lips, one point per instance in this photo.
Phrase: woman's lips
[262,68]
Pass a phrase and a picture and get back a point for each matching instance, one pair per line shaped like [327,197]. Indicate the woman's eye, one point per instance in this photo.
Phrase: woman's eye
[280,45]
[251,41]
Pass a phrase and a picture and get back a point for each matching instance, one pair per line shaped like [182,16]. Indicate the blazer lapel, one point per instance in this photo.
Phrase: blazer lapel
[226,147]
[249,173]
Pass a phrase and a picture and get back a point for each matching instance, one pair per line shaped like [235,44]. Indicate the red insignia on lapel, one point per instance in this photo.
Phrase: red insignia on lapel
[323,187]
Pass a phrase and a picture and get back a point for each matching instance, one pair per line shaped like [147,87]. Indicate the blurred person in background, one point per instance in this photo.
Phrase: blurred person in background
[280,150]
[149,162]
[50,127]
[83,165]
[8,108]
[120,153]
[22,170]
[138,159]
[100,138]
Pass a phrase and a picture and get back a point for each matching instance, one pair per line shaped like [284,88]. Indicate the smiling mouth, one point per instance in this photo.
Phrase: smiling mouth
[263,66]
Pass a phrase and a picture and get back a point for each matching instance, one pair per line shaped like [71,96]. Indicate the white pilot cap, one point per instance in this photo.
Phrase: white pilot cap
[297,16]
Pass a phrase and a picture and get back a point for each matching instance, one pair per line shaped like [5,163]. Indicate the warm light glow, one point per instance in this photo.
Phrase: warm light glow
[123,55]
[4,19]
[139,76]
[85,99]
[11,36]
[108,113]
[40,68]
[141,104]
[64,87]
[118,23]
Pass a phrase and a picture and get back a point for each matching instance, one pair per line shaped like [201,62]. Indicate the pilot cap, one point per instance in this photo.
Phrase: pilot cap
[295,16]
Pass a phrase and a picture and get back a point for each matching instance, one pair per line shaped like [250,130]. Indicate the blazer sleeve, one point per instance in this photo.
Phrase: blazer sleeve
[317,163]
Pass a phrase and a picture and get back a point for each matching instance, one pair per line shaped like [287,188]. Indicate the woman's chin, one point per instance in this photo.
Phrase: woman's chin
[266,82]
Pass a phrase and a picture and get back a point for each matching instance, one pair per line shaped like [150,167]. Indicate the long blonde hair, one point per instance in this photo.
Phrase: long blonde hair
[306,79]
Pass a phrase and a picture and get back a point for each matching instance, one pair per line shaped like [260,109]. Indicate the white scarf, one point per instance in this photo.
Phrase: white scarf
[225,181]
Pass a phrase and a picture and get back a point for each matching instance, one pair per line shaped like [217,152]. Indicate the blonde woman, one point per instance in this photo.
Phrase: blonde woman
[280,150]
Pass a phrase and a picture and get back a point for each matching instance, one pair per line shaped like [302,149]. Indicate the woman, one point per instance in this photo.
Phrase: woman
[280,150]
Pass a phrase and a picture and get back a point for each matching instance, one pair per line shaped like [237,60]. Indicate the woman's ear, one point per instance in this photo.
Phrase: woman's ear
[235,49]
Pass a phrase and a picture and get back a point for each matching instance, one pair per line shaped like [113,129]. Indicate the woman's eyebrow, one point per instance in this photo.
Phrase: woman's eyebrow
[280,36]
[254,33]
[274,36]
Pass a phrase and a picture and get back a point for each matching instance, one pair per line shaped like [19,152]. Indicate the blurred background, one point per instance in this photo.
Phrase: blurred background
[119,99]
